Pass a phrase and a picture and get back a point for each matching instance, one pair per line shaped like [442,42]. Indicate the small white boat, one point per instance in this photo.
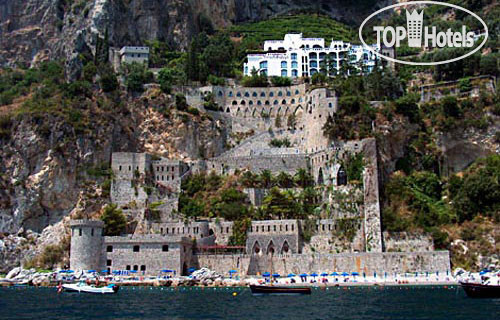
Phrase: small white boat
[85,288]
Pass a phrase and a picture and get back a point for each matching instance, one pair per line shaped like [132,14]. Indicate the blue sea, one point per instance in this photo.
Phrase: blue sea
[427,302]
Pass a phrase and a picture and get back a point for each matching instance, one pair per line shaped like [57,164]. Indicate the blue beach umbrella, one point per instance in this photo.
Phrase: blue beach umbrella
[345,274]
[133,271]
[276,275]
[303,275]
[334,274]
[104,271]
[167,270]
[291,275]
[91,271]
[324,274]
[355,274]
[63,271]
[70,271]
[233,271]
[266,274]
[191,270]
[314,274]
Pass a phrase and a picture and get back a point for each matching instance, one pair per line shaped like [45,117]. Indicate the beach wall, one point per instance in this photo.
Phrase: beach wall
[367,262]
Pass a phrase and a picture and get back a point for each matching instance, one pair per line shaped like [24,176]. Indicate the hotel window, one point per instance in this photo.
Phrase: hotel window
[284,73]
[128,267]
[275,228]
[109,249]
[164,248]
[314,64]
[136,267]
[263,65]
[80,232]
[143,268]
[295,73]
[295,64]
[136,249]
[108,263]
[283,64]
[294,56]
[92,232]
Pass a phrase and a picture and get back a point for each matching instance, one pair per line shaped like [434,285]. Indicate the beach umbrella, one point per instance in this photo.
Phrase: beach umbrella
[324,274]
[266,274]
[303,275]
[314,274]
[62,271]
[70,271]
[133,271]
[355,274]
[91,271]
[345,274]
[167,270]
[374,274]
[233,271]
[104,271]
[276,275]
[191,270]
[291,275]
[334,274]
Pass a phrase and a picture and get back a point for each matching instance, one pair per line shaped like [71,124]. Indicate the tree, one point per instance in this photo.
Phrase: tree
[407,106]
[277,121]
[136,76]
[489,64]
[108,80]
[284,180]
[166,78]
[266,179]
[303,179]
[114,220]
[450,107]
[281,205]
[281,81]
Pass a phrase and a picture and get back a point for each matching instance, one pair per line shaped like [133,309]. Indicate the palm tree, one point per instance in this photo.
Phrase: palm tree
[302,178]
[284,180]
[266,179]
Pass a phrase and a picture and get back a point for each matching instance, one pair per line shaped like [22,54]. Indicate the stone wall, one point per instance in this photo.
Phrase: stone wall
[155,253]
[275,163]
[277,236]
[407,242]
[368,263]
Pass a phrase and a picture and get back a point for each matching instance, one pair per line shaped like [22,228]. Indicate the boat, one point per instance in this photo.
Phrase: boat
[488,287]
[82,287]
[279,290]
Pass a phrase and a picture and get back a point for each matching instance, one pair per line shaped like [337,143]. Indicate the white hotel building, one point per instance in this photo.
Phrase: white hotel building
[302,57]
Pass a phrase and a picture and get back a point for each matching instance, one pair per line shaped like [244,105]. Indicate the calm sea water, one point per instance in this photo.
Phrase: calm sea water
[194,303]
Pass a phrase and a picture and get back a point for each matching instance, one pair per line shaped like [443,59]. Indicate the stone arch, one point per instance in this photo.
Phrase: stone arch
[256,248]
[234,103]
[278,112]
[267,102]
[271,248]
[283,102]
[298,110]
[254,113]
[246,112]
[243,102]
[287,111]
[227,110]
[210,232]
[285,248]
[238,111]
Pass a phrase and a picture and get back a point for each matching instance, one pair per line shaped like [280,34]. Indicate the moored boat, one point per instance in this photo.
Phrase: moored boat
[84,288]
[488,287]
[279,290]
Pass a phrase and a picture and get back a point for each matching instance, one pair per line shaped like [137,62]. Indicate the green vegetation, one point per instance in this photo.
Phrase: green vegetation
[136,75]
[280,143]
[114,220]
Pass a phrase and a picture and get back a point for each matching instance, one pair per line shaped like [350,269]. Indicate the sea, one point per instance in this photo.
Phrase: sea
[398,302]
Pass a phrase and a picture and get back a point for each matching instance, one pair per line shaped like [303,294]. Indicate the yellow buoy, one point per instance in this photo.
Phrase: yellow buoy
[235,294]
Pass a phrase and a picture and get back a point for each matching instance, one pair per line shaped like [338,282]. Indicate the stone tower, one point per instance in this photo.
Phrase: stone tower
[86,244]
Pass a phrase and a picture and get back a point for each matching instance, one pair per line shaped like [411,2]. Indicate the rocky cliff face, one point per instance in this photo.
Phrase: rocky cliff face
[35,30]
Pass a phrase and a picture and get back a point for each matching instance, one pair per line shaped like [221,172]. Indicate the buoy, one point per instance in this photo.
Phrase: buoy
[235,294]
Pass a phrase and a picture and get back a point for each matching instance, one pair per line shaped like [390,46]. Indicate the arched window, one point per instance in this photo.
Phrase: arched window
[283,102]
[259,103]
[295,64]
[293,101]
[271,94]
[250,103]
[283,64]
[275,102]
[280,94]
[254,94]
[295,73]
[285,248]
[247,94]
[262,94]
[294,56]
[220,93]
[296,91]
[284,73]
[314,64]
[238,94]
[267,102]
[263,65]
[288,93]
[314,71]
[234,103]
[341,177]
[230,94]
[242,102]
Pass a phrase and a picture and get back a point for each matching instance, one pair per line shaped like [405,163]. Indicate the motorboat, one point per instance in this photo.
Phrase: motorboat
[487,287]
[82,287]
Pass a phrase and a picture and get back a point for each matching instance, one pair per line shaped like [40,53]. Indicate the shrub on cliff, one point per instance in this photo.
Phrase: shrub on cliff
[114,220]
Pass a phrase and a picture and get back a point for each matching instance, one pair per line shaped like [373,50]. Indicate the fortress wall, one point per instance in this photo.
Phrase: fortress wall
[368,263]
[407,242]
[222,231]
[276,164]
